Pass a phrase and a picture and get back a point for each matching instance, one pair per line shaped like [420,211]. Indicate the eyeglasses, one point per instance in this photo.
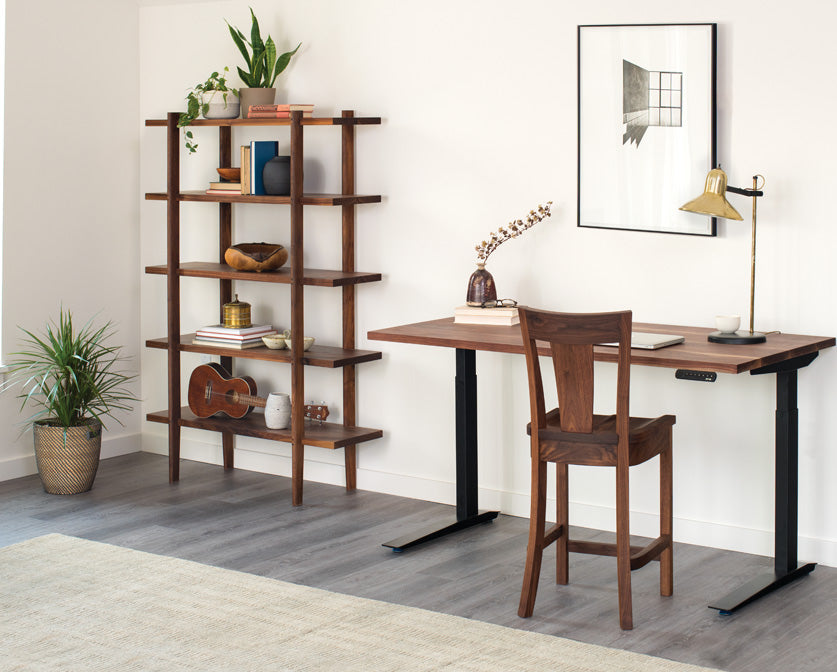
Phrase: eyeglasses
[499,303]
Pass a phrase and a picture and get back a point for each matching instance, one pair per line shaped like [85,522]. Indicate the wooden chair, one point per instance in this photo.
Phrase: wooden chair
[575,435]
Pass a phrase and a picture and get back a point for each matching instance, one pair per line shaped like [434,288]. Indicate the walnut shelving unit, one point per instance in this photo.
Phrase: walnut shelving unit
[345,356]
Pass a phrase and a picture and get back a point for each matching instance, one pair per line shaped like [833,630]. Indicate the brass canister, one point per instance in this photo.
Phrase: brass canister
[237,314]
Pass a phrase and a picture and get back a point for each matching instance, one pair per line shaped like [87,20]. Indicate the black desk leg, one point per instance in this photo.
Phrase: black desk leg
[467,514]
[785,566]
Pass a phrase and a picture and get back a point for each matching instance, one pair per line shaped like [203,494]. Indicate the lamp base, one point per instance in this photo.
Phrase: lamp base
[736,337]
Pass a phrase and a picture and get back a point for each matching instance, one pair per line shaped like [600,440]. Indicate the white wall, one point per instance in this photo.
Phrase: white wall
[70,221]
[479,107]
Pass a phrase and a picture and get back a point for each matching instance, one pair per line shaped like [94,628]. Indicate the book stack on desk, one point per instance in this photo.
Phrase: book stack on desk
[239,338]
[477,315]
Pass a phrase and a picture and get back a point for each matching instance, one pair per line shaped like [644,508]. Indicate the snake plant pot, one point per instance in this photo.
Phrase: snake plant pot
[220,104]
[67,457]
[255,96]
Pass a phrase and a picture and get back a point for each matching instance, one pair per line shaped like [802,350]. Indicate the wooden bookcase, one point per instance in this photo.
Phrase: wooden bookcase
[345,356]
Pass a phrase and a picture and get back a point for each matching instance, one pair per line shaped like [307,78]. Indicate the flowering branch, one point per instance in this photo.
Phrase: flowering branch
[515,228]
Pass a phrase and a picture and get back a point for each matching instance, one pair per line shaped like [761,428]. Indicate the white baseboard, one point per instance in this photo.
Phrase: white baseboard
[24,465]
[701,533]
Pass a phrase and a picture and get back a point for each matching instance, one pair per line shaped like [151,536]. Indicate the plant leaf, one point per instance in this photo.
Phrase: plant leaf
[283,60]
[241,43]
[269,62]
[247,78]
[255,35]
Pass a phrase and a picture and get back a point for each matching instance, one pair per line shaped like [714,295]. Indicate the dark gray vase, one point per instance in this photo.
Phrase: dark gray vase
[277,176]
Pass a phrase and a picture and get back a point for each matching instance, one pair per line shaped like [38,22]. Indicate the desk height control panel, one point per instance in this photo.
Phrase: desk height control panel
[690,374]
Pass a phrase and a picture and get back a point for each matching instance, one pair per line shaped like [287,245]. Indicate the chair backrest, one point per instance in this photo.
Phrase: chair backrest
[571,337]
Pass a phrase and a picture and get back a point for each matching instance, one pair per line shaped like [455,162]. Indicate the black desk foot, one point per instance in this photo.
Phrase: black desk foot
[758,587]
[403,543]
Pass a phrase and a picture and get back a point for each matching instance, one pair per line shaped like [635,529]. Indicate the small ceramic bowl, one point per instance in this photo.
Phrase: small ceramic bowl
[307,342]
[274,341]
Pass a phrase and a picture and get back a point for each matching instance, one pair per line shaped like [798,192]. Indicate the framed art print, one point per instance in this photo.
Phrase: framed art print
[646,125]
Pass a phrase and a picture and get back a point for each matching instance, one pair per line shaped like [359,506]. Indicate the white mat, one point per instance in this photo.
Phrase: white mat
[70,604]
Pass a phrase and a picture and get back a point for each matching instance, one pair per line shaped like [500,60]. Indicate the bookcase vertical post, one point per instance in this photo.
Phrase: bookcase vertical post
[347,145]
[173,287]
[225,286]
[297,312]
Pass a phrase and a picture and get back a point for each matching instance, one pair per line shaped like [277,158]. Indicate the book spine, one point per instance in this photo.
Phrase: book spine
[261,151]
[224,344]
[237,331]
[231,339]
[279,107]
[268,115]
[245,170]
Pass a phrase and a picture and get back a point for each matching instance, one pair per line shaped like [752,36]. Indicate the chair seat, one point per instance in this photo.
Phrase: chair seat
[648,437]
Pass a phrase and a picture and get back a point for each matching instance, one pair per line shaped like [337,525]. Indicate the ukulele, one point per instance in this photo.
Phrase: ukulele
[213,391]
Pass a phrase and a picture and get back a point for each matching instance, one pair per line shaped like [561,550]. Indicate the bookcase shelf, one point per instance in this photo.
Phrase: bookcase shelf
[307,199]
[324,435]
[305,121]
[311,276]
[326,356]
[346,356]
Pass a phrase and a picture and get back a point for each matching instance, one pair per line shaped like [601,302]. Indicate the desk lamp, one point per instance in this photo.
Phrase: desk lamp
[713,202]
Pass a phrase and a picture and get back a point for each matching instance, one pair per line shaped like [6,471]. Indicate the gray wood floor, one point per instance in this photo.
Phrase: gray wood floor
[244,521]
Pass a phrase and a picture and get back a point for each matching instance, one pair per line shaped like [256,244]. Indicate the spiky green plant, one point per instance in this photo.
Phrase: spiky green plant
[263,64]
[73,376]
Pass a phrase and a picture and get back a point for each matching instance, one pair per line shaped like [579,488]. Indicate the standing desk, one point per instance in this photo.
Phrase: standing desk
[695,358]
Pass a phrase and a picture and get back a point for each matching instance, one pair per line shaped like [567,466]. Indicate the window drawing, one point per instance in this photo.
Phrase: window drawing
[649,98]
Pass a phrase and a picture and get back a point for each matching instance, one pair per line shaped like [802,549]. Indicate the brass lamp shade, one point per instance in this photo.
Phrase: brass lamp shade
[713,201]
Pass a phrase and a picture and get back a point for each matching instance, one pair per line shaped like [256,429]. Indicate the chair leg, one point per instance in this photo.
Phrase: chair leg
[623,546]
[666,522]
[562,510]
[534,552]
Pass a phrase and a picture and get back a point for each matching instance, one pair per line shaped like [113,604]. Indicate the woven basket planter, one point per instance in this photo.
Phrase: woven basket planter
[67,457]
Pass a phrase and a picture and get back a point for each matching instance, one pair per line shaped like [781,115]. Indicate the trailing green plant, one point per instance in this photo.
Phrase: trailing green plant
[263,63]
[196,105]
[72,375]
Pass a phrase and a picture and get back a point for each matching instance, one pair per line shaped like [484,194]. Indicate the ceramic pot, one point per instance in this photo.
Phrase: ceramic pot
[277,411]
[255,97]
[67,457]
[481,287]
[222,104]
[276,176]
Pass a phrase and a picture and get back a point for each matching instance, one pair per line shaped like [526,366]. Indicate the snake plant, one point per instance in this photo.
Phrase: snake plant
[263,63]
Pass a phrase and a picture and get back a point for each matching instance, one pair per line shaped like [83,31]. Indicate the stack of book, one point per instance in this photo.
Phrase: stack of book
[232,337]
[476,315]
[278,111]
[224,188]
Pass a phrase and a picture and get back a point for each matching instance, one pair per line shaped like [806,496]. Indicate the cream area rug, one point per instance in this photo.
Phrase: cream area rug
[70,604]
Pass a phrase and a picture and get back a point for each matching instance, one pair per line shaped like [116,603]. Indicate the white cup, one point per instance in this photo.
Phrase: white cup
[277,410]
[727,324]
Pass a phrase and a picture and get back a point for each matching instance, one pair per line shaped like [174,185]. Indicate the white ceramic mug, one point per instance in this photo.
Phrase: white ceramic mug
[277,411]
[727,324]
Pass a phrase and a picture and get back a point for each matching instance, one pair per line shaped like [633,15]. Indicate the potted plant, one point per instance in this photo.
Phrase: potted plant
[263,65]
[212,99]
[74,377]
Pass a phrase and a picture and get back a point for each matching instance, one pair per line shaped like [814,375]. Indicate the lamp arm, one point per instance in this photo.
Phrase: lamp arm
[745,192]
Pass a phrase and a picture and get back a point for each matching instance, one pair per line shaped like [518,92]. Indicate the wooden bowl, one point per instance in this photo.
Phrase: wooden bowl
[256,256]
[231,174]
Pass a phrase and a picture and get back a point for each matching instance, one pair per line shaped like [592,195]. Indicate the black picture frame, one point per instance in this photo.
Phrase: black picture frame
[647,125]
